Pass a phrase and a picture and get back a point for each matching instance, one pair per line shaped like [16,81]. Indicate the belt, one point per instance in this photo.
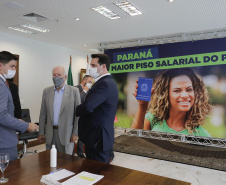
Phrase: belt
[55,126]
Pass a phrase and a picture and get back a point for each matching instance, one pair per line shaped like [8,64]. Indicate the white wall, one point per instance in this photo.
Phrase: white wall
[35,69]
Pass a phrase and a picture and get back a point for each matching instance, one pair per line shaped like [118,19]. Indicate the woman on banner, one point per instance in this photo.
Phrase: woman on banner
[179,104]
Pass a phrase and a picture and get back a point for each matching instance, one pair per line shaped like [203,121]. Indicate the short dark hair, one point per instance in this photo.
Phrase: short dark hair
[103,59]
[6,56]
[86,76]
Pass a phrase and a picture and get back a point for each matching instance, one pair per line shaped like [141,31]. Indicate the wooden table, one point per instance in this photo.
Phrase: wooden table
[30,169]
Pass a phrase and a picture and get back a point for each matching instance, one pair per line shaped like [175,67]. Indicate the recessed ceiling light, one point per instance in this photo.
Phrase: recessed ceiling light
[20,29]
[77,19]
[106,12]
[128,8]
[94,50]
[85,45]
[36,28]
[170,0]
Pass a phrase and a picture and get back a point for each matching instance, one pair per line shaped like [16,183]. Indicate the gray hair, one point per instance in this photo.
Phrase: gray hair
[62,67]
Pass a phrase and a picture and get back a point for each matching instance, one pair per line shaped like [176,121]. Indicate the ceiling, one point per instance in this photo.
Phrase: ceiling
[159,18]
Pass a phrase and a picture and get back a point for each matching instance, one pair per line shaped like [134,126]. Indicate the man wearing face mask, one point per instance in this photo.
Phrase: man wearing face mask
[97,112]
[87,82]
[57,120]
[8,123]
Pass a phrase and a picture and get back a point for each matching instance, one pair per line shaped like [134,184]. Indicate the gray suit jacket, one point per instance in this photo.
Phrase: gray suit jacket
[8,124]
[68,122]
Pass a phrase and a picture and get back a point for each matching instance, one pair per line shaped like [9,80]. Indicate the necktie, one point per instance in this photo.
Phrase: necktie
[7,83]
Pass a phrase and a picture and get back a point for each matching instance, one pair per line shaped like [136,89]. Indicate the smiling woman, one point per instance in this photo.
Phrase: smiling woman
[179,104]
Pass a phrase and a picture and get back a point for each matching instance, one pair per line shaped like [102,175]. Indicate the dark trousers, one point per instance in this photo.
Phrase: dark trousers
[112,155]
[99,155]
[80,145]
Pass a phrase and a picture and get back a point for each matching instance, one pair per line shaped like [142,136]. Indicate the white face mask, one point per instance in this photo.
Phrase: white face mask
[93,72]
[89,85]
[10,74]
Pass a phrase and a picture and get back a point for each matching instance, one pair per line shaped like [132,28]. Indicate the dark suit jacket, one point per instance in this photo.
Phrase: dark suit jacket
[80,88]
[97,113]
[83,94]
[16,99]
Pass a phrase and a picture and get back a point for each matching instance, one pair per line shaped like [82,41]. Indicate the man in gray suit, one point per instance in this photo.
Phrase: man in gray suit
[57,122]
[8,123]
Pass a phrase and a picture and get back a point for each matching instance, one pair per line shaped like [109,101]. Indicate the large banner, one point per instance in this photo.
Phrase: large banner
[189,87]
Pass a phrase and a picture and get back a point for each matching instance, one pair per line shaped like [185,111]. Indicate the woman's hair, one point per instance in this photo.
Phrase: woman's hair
[160,103]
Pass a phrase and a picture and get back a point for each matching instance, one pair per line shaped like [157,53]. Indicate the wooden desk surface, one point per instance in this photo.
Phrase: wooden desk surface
[30,169]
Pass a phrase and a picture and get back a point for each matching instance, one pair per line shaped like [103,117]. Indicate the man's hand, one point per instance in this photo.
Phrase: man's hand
[86,88]
[74,138]
[32,127]
[41,138]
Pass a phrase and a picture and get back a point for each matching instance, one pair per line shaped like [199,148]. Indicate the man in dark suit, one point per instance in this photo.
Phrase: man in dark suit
[97,112]
[87,82]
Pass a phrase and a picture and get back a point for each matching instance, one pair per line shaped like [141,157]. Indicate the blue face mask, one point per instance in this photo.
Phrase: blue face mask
[58,81]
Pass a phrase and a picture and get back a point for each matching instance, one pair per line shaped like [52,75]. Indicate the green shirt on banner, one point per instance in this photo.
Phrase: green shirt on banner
[163,127]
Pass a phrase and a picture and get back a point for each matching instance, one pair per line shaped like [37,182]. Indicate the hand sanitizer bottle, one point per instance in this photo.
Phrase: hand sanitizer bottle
[53,156]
